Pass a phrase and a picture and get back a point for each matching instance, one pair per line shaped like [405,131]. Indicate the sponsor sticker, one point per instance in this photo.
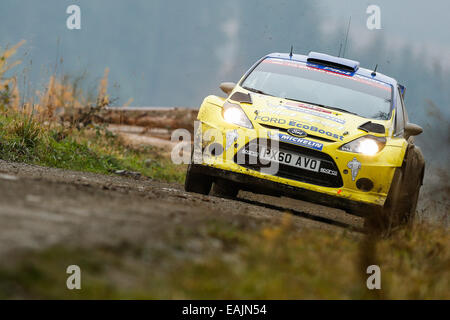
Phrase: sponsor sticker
[303,108]
[328,171]
[278,110]
[323,123]
[297,124]
[231,137]
[330,134]
[301,142]
[308,106]
[354,166]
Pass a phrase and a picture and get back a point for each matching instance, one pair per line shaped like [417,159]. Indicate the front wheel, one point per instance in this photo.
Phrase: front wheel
[399,208]
[197,182]
[224,189]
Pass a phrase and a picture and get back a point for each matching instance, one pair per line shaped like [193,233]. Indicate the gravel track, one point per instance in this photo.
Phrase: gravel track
[40,207]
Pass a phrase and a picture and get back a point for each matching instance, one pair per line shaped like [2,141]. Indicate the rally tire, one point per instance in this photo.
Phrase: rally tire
[224,189]
[383,220]
[197,182]
[399,208]
[410,215]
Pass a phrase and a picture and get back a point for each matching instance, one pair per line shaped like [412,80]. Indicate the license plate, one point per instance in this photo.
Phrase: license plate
[290,159]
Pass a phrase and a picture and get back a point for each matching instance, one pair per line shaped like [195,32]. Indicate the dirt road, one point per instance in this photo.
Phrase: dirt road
[41,206]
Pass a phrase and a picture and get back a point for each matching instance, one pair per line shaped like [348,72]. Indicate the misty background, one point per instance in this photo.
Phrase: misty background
[174,53]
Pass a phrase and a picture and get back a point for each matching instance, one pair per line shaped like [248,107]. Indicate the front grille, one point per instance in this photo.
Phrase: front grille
[294,173]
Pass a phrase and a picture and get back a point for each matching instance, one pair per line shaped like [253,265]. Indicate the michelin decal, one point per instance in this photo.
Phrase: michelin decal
[300,141]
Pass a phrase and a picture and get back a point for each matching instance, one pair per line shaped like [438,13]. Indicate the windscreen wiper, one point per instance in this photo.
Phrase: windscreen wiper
[303,101]
[323,106]
[342,110]
[256,91]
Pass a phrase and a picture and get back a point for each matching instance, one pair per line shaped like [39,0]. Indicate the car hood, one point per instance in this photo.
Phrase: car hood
[325,124]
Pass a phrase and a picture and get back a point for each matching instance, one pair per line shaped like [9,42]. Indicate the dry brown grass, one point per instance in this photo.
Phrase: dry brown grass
[9,92]
[61,102]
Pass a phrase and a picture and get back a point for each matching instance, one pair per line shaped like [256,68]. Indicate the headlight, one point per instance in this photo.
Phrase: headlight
[233,113]
[368,145]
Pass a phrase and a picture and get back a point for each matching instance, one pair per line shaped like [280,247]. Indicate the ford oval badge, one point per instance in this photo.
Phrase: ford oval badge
[297,132]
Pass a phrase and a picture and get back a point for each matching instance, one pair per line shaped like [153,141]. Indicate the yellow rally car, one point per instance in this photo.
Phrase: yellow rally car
[333,132]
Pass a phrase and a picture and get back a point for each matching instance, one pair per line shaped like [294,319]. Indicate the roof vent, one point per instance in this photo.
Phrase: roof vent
[332,61]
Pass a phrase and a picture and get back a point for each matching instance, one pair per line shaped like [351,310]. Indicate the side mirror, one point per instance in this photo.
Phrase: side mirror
[412,129]
[227,87]
[402,90]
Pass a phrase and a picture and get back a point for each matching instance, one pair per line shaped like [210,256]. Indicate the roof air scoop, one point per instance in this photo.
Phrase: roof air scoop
[332,61]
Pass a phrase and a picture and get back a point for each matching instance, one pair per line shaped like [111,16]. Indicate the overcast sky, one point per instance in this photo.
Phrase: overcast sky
[418,23]
[143,41]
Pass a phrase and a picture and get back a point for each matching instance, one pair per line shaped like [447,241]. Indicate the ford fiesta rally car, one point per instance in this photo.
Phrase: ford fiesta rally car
[338,134]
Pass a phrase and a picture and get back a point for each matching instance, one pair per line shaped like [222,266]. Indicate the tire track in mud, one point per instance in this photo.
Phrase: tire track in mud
[40,207]
[304,215]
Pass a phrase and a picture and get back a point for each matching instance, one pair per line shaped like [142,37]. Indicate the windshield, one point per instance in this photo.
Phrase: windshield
[297,81]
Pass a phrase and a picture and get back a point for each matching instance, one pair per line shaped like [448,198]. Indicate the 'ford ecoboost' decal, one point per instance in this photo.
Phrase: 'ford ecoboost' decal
[301,142]
[296,123]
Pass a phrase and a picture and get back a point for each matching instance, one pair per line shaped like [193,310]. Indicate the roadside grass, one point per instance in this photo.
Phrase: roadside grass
[57,128]
[268,262]
[93,149]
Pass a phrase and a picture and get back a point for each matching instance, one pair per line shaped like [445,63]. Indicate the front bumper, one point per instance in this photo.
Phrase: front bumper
[252,183]
[379,169]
